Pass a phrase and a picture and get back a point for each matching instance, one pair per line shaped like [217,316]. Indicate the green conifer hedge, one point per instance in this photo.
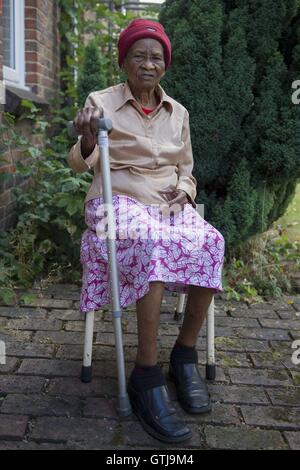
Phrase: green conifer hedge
[233,65]
[91,73]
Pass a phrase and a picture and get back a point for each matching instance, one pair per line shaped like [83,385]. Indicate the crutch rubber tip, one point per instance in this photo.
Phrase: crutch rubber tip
[86,374]
[124,406]
[178,316]
[210,371]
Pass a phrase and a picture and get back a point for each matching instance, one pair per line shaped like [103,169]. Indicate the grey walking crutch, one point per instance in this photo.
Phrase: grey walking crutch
[124,408]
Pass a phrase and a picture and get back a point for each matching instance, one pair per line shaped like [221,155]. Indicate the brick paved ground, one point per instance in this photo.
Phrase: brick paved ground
[43,404]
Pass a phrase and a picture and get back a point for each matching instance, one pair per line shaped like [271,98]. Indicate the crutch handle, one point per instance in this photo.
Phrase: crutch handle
[103,124]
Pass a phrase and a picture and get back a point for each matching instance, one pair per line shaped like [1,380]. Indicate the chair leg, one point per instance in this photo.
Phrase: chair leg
[86,371]
[178,314]
[210,342]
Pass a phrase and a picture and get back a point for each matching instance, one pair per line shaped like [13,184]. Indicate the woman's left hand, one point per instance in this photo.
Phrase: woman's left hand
[175,196]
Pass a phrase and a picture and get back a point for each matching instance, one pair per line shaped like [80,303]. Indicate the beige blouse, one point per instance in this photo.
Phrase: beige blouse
[148,153]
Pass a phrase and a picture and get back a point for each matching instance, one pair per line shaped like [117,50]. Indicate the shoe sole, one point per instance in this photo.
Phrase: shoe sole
[204,409]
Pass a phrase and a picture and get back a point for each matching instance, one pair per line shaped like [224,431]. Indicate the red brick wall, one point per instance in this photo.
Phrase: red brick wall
[42,46]
[42,61]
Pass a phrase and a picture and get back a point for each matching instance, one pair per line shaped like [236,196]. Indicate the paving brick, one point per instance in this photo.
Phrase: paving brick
[293,439]
[19,384]
[281,346]
[109,368]
[34,324]
[237,394]
[262,333]
[219,331]
[49,367]
[29,445]
[283,304]
[223,343]
[50,303]
[100,408]
[237,322]
[295,334]
[272,359]
[67,295]
[21,312]
[288,315]
[290,396]
[284,324]
[10,365]
[272,305]
[275,360]
[109,339]
[29,350]
[244,438]
[103,353]
[232,359]
[98,387]
[259,377]
[58,288]
[221,414]
[58,337]
[41,405]
[254,313]
[15,335]
[272,416]
[296,377]
[69,314]
[57,429]
[12,427]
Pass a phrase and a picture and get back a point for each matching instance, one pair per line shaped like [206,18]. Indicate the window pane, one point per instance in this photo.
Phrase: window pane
[9,33]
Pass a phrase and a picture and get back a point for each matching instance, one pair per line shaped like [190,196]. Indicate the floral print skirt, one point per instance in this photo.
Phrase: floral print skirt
[179,249]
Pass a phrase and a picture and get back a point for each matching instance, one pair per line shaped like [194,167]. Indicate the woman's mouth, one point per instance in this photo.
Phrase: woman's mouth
[147,76]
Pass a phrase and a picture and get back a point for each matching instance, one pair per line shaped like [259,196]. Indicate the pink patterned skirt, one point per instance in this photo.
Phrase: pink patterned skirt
[180,249]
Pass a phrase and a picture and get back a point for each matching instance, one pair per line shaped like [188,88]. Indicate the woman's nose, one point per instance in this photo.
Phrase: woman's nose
[148,64]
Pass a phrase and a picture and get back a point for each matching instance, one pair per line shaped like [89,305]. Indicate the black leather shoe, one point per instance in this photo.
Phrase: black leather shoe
[157,414]
[191,389]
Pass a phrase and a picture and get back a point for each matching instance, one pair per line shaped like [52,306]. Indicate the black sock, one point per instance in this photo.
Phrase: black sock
[183,354]
[144,378]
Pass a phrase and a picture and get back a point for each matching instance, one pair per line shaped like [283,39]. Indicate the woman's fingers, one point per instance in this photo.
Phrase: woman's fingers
[177,196]
[85,121]
[95,115]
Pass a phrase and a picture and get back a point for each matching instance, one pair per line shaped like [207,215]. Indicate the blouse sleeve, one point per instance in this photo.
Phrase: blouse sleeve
[75,158]
[186,181]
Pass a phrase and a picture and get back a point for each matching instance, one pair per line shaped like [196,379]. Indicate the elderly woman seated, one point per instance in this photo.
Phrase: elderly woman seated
[162,242]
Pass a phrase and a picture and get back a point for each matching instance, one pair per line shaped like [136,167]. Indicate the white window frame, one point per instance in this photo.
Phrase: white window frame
[16,76]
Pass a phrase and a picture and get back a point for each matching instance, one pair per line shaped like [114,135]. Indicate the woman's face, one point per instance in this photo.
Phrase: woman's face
[145,64]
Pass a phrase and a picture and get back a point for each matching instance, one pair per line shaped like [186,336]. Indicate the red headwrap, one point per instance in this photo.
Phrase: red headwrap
[139,29]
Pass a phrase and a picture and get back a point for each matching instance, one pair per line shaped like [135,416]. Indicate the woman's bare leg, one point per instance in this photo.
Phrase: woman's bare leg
[148,318]
[199,299]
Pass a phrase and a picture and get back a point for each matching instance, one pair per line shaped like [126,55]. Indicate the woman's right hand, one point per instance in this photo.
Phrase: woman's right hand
[85,124]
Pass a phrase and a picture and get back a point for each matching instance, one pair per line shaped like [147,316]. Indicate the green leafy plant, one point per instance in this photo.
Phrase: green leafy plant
[263,268]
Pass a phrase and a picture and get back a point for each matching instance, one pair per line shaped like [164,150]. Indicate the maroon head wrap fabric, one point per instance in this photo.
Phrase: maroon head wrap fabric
[139,29]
